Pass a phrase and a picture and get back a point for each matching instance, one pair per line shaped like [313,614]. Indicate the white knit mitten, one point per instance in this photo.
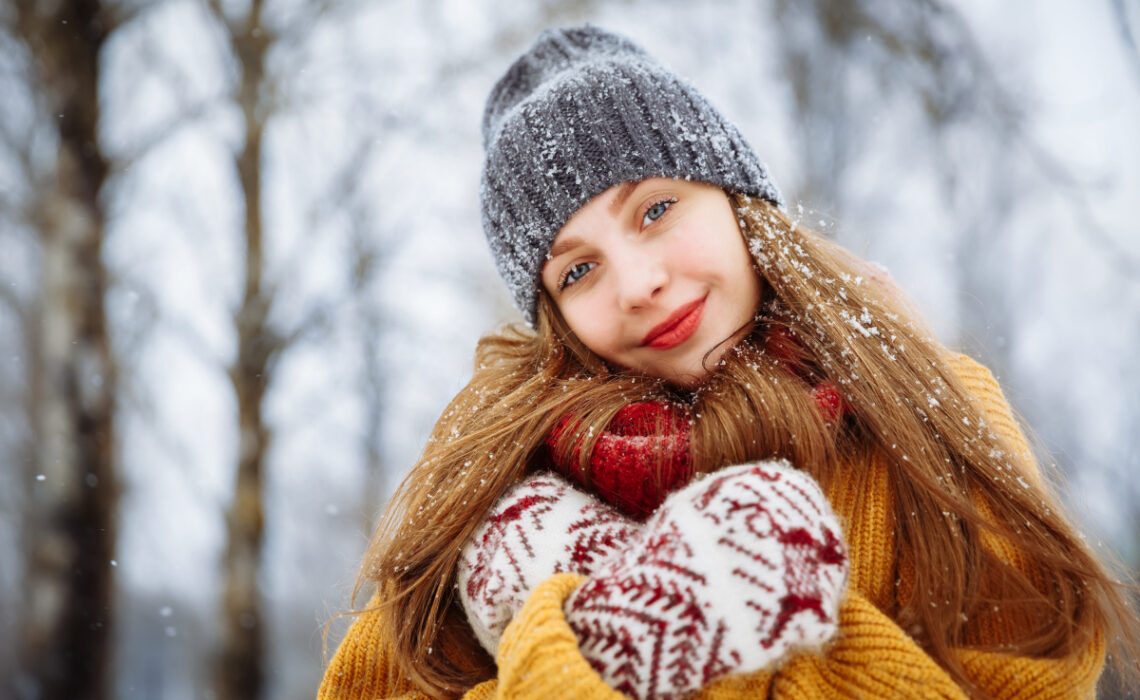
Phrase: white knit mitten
[729,575]
[540,527]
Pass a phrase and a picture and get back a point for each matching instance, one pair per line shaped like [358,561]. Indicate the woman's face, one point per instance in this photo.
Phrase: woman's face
[654,275]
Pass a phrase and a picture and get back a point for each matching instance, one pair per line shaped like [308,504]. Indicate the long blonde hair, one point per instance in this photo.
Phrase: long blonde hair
[905,401]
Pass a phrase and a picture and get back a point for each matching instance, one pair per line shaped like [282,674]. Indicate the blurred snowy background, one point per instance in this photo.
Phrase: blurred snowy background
[242,271]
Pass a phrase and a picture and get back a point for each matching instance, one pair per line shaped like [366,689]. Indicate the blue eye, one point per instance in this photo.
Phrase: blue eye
[574,273]
[656,211]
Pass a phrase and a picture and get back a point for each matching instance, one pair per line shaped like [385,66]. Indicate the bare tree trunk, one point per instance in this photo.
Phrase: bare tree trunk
[71,536]
[239,672]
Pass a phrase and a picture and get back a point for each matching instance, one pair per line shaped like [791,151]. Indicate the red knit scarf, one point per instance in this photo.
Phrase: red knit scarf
[643,455]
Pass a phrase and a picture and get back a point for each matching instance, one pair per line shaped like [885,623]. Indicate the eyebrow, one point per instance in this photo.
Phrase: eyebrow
[623,194]
[567,243]
[562,245]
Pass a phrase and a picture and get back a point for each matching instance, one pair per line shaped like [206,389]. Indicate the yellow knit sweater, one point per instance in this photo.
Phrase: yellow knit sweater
[871,658]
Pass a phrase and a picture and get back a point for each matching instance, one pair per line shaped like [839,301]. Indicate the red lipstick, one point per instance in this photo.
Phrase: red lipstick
[676,329]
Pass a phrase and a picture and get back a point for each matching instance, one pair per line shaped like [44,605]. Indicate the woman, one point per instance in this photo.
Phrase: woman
[682,325]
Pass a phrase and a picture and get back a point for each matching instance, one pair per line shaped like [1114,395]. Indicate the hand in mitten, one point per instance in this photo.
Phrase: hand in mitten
[730,575]
[540,527]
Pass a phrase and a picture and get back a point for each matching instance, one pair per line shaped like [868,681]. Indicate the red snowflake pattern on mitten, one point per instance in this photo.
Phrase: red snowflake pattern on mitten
[540,527]
[730,575]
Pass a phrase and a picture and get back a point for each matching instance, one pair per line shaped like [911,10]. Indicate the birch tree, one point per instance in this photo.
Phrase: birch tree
[70,528]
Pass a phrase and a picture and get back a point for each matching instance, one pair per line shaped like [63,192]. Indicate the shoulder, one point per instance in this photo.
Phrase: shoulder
[361,667]
[994,409]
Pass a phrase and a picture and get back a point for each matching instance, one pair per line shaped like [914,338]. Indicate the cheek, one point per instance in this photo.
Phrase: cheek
[590,323]
[719,256]
[694,253]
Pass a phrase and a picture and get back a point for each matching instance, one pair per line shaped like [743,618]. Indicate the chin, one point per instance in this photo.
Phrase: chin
[689,373]
[689,379]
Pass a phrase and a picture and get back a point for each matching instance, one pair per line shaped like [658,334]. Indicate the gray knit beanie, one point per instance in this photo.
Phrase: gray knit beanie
[581,111]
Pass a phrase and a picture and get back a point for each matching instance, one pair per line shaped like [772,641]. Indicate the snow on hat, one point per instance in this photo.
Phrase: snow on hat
[581,111]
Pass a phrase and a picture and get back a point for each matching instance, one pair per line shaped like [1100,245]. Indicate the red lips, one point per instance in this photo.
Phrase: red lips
[676,329]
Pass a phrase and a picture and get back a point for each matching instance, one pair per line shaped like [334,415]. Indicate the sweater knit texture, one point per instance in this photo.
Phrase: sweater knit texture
[872,657]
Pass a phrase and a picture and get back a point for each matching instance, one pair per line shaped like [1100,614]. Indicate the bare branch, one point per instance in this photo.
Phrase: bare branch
[172,74]
[18,144]
[17,305]
[186,117]
[301,23]
[1115,253]
[343,188]
[177,450]
[215,7]
[1124,24]
[318,320]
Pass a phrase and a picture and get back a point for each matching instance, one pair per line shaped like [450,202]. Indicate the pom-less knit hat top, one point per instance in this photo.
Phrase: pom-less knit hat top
[581,111]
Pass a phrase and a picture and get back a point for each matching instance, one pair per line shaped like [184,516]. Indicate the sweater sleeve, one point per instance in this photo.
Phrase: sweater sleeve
[984,389]
[875,658]
[872,657]
[360,668]
[538,657]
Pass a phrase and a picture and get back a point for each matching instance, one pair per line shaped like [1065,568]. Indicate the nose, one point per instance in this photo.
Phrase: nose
[641,278]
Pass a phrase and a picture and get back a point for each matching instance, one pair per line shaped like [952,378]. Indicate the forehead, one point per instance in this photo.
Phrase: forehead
[608,203]
[608,206]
